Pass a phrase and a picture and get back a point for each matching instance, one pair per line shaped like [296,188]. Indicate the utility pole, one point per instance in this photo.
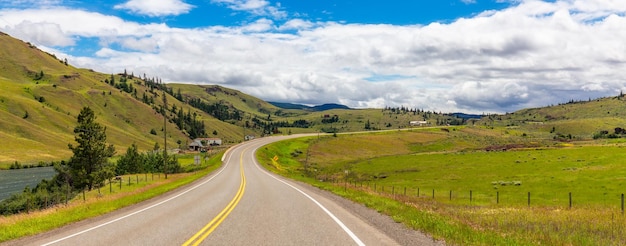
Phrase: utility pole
[165,134]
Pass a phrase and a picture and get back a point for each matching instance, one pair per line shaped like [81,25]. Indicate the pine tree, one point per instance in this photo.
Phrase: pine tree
[90,166]
[131,162]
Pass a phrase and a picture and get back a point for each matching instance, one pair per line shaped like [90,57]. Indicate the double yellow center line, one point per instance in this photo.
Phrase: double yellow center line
[211,226]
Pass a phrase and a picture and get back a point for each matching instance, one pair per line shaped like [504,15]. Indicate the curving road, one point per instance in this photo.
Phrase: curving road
[240,204]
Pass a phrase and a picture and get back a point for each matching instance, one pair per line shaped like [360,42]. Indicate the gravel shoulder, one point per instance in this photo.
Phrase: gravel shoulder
[397,231]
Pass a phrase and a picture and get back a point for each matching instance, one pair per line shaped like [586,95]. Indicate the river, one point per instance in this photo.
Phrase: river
[13,181]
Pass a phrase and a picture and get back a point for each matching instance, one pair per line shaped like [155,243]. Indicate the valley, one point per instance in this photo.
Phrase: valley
[533,175]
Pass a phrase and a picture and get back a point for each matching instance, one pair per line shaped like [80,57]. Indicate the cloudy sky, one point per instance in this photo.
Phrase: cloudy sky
[474,56]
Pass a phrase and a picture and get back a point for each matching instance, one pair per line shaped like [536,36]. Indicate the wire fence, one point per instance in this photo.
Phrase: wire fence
[472,197]
[128,180]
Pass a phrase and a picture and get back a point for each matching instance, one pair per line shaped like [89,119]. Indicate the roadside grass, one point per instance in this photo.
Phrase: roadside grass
[99,202]
[498,212]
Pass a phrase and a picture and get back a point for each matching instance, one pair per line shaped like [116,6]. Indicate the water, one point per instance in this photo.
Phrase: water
[14,181]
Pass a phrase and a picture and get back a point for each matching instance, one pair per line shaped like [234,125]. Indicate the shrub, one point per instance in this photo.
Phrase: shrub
[16,165]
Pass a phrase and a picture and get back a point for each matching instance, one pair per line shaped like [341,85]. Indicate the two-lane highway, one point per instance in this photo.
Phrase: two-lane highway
[240,204]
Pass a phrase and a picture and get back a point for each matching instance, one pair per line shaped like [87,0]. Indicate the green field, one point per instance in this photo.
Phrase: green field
[385,171]
[593,174]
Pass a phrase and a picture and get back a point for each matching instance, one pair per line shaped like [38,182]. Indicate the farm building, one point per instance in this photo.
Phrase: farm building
[202,144]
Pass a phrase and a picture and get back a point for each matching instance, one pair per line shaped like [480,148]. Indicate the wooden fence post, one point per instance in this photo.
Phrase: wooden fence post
[570,200]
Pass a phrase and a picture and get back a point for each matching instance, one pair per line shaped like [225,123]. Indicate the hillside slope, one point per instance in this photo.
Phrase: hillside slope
[575,119]
[41,95]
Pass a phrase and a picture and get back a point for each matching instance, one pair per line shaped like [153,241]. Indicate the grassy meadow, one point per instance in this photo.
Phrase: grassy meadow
[386,171]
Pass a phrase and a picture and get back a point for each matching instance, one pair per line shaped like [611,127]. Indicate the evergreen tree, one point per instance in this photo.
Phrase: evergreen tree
[131,162]
[89,166]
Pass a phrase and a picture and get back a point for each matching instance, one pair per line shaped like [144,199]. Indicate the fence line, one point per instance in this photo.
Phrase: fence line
[471,196]
[119,180]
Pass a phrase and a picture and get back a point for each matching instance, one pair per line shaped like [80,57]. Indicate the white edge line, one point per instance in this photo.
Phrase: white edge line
[341,224]
[142,210]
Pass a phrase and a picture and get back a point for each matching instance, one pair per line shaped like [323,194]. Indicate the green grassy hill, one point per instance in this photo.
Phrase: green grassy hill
[580,120]
[41,95]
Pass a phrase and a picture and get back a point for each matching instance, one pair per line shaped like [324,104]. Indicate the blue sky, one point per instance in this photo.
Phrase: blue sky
[448,55]
[398,12]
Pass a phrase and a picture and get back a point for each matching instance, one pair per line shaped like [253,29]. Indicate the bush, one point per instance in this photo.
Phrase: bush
[16,165]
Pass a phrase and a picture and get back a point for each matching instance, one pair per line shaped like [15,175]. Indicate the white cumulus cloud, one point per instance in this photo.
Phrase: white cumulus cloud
[256,7]
[156,7]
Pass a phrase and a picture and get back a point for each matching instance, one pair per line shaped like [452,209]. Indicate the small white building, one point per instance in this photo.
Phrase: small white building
[418,123]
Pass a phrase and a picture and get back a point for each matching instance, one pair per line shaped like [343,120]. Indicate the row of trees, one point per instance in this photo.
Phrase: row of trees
[406,110]
[618,132]
[219,110]
[134,162]
[271,127]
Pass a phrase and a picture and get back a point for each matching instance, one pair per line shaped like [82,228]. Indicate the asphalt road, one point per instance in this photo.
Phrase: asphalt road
[239,204]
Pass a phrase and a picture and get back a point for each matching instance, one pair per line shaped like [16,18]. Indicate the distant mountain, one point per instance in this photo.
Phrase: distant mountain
[467,116]
[289,105]
[317,108]
[329,106]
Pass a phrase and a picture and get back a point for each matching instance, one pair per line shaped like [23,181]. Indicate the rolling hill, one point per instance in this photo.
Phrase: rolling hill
[576,120]
[41,96]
